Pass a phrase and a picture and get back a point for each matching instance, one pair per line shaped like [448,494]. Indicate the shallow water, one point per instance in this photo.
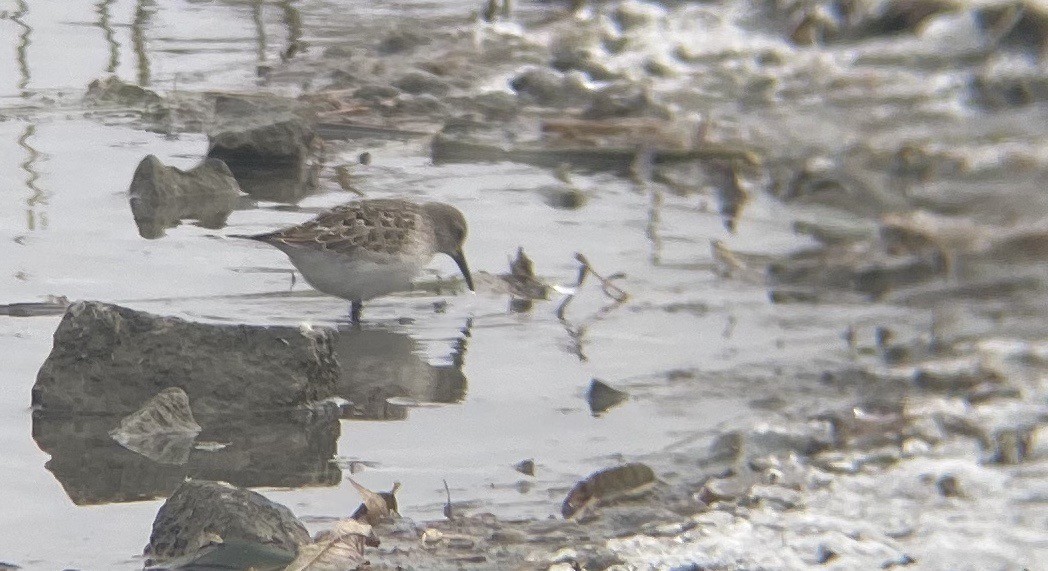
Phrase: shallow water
[487,387]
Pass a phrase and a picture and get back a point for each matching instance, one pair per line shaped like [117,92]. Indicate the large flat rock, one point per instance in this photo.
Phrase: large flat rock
[108,359]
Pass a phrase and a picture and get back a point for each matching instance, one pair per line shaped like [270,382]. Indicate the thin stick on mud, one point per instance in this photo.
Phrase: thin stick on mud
[448,513]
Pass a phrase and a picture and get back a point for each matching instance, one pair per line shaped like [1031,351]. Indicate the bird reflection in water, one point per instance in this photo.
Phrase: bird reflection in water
[380,364]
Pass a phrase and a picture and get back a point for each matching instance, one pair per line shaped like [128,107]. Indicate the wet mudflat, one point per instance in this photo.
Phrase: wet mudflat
[834,255]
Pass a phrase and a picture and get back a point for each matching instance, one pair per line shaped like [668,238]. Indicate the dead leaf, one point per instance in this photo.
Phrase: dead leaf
[605,486]
[340,549]
[377,506]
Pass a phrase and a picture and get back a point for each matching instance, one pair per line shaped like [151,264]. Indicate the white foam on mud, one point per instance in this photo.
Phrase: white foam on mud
[870,521]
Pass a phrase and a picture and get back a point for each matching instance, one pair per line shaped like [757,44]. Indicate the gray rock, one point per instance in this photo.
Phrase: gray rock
[376,92]
[108,359]
[567,58]
[424,104]
[113,91]
[402,40]
[201,514]
[805,438]
[495,105]
[162,196]
[229,109]
[162,430]
[624,100]
[260,149]
[418,82]
[549,88]
[602,397]
[285,141]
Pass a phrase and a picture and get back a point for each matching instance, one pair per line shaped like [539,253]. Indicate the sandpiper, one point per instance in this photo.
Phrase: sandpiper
[369,248]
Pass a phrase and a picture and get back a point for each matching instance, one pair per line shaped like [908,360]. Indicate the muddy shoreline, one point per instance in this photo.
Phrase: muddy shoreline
[831,230]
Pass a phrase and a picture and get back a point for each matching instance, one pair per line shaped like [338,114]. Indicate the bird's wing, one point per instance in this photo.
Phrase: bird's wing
[379,228]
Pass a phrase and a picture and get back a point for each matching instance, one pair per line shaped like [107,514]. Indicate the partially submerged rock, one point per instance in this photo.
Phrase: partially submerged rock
[113,91]
[162,196]
[269,156]
[162,430]
[539,86]
[254,141]
[202,515]
[526,467]
[109,359]
[601,397]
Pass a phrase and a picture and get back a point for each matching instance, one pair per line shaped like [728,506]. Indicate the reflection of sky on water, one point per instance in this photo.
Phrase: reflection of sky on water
[49,44]
[518,390]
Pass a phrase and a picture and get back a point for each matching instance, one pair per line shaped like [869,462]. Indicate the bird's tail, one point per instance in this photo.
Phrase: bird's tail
[256,237]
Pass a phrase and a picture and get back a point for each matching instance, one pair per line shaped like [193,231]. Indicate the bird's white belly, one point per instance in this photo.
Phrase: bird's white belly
[353,278]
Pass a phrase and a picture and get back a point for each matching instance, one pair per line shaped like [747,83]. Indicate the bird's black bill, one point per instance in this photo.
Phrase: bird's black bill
[460,259]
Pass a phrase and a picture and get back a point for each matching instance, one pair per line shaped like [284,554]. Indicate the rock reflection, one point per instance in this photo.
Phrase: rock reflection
[293,21]
[106,24]
[143,13]
[379,365]
[285,183]
[161,197]
[731,196]
[272,449]
[18,17]
[260,30]
[34,218]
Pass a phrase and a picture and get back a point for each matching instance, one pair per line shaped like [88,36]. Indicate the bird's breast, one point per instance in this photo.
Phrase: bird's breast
[356,277]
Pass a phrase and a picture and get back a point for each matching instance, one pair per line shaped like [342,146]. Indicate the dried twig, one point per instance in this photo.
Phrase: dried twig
[617,295]
[610,289]
[448,513]
[345,180]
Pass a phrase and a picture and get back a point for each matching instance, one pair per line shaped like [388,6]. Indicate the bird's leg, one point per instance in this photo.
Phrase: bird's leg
[355,308]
